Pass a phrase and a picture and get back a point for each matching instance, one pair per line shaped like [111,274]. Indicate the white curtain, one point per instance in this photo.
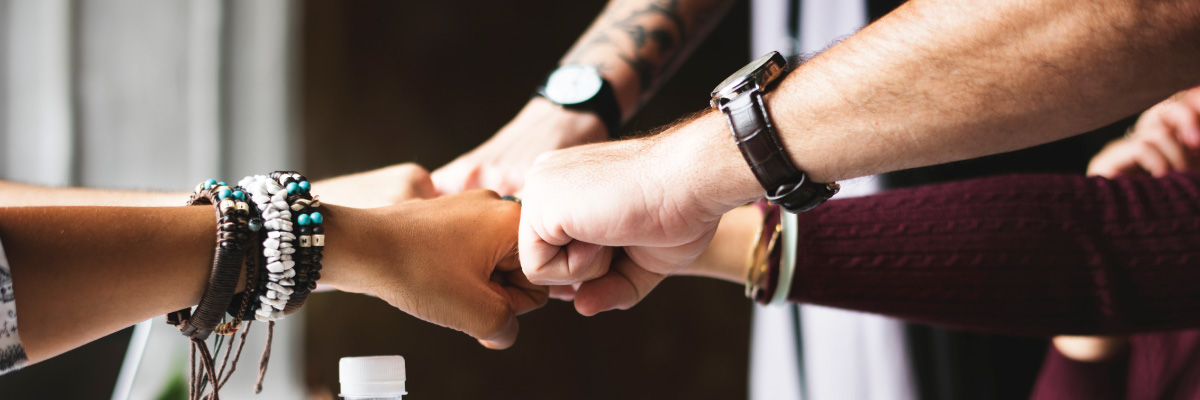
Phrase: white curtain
[847,355]
[155,95]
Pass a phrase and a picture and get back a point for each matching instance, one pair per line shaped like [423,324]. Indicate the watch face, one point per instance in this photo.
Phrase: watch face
[573,84]
[757,74]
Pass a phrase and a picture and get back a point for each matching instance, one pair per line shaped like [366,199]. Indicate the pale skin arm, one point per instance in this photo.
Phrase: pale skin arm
[635,44]
[935,81]
[1165,138]
[376,188]
[14,194]
[80,273]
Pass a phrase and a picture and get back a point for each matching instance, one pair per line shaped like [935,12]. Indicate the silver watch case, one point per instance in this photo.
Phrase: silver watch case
[756,75]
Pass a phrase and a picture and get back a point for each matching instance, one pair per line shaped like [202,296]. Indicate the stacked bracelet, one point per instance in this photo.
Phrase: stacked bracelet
[239,307]
[276,214]
[233,239]
[279,235]
[291,249]
[310,236]
[233,233]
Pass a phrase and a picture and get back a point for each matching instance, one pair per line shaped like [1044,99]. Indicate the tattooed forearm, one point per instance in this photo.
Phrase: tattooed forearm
[647,37]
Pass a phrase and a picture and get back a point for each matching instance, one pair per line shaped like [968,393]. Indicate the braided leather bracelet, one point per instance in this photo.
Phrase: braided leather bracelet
[232,234]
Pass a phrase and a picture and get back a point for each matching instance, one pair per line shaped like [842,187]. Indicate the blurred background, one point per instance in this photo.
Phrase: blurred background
[161,94]
[158,95]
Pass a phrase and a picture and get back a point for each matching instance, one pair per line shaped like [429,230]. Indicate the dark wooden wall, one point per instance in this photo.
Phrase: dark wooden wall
[395,81]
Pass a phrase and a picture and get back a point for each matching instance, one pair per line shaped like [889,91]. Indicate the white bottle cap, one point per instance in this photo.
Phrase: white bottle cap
[372,376]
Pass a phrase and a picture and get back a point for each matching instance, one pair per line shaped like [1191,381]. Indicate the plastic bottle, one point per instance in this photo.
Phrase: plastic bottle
[372,378]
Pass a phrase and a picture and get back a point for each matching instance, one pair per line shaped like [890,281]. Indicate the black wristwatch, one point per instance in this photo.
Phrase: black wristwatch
[581,88]
[740,98]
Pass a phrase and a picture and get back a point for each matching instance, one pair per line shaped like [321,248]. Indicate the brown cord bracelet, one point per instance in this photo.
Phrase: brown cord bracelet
[233,214]
[233,239]
[280,238]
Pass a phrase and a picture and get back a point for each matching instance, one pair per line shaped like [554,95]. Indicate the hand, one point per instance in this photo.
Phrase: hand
[500,163]
[381,187]
[725,258]
[450,261]
[657,197]
[1165,138]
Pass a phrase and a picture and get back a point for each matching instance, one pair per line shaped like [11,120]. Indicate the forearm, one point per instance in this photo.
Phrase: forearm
[1033,254]
[80,273]
[1027,254]
[637,44]
[377,188]
[938,81]
[20,195]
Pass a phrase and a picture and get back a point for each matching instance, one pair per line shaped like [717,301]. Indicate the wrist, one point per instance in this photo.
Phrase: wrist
[732,246]
[569,127]
[626,84]
[347,232]
[704,161]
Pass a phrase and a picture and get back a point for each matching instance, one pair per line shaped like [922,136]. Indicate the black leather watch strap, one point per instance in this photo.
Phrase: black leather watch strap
[786,185]
[603,104]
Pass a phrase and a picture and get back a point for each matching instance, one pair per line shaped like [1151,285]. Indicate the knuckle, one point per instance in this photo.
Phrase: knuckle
[508,210]
[1142,146]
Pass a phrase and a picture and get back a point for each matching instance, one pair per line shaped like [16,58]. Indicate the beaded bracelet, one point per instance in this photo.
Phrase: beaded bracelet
[253,264]
[232,236]
[310,236]
[307,219]
[294,244]
[271,198]
[233,239]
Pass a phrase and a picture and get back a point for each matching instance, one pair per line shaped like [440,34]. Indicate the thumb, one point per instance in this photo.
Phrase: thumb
[490,317]
[622,287]
[558,259]
[503,338]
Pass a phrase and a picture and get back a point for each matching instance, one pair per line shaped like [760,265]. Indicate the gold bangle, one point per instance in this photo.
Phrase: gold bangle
[760,258]
[751,262]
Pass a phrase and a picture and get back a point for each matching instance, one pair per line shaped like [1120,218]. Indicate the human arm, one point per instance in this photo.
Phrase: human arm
[80,273]
[1165,138]
[635,44]
[935,81]
[15,194]
[376,188]
[1027,254]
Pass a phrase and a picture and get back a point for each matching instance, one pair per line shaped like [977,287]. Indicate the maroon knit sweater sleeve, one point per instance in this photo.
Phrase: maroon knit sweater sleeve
[1026,254]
